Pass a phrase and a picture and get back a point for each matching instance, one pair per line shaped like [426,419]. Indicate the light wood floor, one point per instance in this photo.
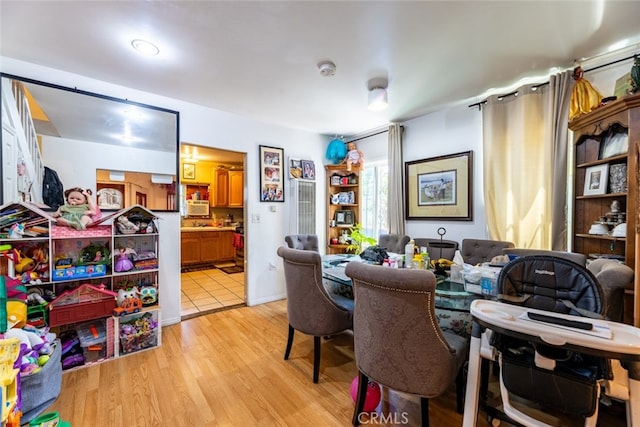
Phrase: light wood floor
[227,369]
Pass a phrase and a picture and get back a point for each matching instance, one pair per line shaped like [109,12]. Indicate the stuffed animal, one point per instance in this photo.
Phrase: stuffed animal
[123,294]
[125,226]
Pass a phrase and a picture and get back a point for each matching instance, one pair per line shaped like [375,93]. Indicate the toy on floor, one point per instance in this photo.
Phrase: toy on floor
[373,394]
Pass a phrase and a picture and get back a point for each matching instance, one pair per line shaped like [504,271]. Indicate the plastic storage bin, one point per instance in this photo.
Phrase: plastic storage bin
[138,331]
[93,340]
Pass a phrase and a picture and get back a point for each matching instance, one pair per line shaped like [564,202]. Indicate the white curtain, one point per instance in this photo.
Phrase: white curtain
[525,164]
[396,189]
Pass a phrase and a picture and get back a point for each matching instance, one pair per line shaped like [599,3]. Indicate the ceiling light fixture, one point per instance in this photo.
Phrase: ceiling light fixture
[145,47]
[378,99]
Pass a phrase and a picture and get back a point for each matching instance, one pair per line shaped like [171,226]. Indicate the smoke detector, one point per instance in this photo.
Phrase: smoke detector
[327,68]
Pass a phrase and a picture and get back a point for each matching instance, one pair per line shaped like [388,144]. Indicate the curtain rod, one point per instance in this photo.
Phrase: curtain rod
[372,134]
[481,103]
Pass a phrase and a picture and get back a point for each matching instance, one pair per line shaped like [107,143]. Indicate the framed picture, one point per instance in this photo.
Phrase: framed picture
[188,171]
[308,170]
[595,180]
[295,168]
[344,218]
[440,188]
[271,167]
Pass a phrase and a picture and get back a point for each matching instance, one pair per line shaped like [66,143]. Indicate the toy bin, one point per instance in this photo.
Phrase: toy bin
[39,390]
[93,340]
[138,331]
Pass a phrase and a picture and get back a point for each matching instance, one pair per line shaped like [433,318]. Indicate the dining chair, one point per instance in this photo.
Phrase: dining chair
[310,308]
[397,340]
[393,242]
[477,251]
[438,248]
[307,242]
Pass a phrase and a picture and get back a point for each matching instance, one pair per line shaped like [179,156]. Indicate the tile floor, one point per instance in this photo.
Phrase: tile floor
[209,290]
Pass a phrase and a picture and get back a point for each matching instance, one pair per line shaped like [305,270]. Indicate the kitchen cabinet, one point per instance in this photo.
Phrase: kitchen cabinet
[189,248]
[229,188]
[199,247]
[236,189]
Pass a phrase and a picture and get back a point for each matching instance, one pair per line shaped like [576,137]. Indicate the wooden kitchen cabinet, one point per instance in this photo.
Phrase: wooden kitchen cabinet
[189,248]
[236,189]
[210,246]
[206,247]
[229,188]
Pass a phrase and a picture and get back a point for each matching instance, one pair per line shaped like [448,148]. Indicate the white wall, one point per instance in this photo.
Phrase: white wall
[449,131]
[213,128]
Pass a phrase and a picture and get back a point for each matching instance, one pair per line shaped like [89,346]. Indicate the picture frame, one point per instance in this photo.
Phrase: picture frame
[271,178]
[344,218]
[308,170]
[295,168]
[440,188]
[188,171]
[595,180]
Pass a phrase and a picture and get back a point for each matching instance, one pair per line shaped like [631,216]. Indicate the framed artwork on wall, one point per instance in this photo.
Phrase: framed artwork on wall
[308,170]
[271,178]
[440,188]
[188,171]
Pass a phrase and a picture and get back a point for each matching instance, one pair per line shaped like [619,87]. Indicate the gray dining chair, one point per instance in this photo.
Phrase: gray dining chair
[307,242]
[310,308]
[393,242]
[397,340]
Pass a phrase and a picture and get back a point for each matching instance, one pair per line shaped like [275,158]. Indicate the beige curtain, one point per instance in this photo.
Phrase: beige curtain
[396,191]
[525,166]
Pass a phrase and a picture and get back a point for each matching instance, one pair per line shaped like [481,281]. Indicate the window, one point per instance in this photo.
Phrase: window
[375,189]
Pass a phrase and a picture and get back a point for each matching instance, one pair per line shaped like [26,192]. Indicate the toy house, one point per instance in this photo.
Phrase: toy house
[86,302]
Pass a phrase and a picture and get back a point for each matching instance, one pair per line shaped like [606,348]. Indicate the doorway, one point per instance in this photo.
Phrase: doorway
[212,270]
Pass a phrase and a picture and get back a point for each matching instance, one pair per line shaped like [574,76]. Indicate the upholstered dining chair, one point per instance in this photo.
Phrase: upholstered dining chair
[310,308]
[397,340]
[477,251]
[438,248]
[393,242]
[307,242]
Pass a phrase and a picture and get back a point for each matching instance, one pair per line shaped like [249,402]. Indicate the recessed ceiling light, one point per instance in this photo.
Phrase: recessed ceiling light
[145,47]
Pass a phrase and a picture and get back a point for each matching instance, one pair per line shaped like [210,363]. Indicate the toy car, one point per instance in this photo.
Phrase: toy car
[129,306]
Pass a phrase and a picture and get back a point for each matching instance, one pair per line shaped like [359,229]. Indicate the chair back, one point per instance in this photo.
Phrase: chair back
[552,284]
[438,248]
[393,242]
[571,256]
[307,242]
[397,340]
[310,309]
[477,251]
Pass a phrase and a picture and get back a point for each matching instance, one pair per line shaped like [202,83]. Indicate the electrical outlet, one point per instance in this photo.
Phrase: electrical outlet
[272,208]
[255,218]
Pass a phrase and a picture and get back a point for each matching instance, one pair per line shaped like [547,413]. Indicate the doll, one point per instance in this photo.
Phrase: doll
[78,209]
[354,156]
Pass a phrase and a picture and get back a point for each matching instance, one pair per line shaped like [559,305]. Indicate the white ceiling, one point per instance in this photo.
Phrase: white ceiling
[259,59]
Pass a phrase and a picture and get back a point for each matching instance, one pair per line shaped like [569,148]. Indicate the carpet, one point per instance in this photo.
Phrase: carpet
[198,267]
[232,270]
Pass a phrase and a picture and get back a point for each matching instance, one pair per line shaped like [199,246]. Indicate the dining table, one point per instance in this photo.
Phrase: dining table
[452,302]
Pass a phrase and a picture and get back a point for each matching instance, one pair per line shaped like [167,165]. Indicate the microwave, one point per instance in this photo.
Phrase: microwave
[197,208]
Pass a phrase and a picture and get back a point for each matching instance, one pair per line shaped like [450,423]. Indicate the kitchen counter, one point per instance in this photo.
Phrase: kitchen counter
[207,228]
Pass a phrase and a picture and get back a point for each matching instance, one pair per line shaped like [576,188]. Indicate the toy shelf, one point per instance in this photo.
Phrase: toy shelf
[78,274]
